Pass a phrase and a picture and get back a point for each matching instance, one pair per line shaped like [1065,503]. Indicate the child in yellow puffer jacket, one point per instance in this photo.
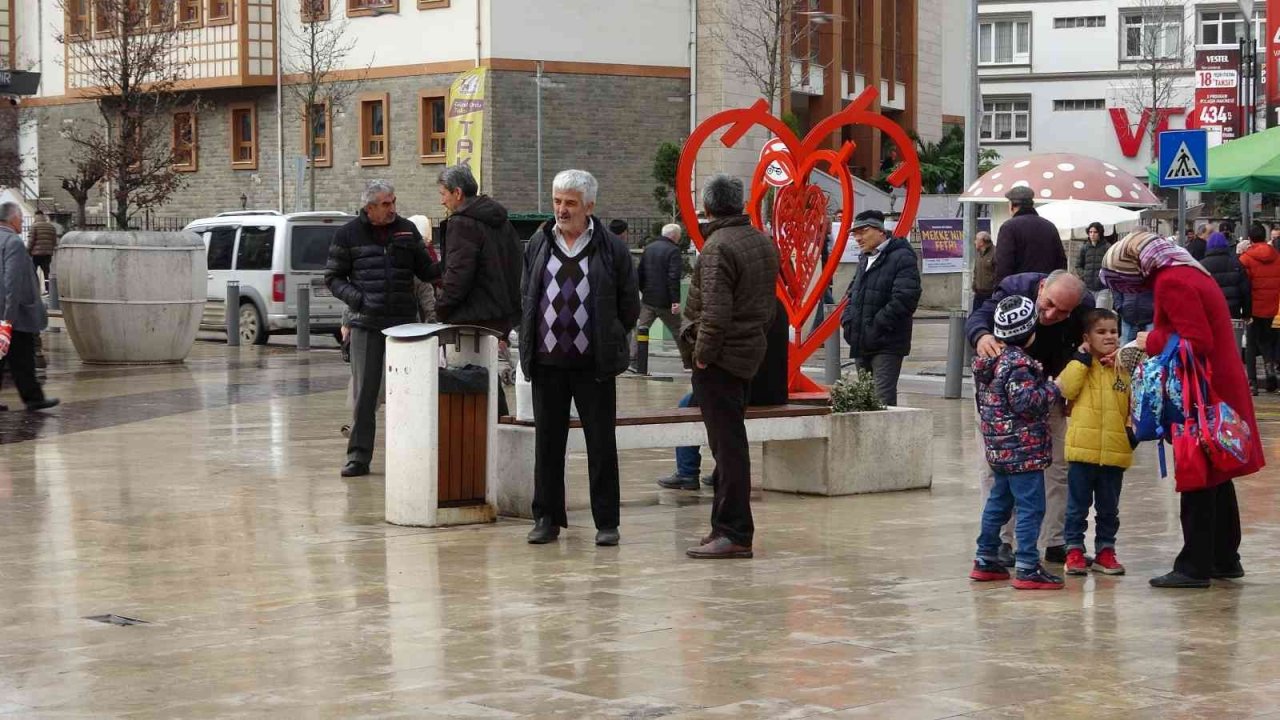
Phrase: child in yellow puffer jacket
[1099,444]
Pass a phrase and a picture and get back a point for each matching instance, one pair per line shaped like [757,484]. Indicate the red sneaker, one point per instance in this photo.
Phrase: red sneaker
[985,571]
[1036,578]
[1106,563]
[1076,564]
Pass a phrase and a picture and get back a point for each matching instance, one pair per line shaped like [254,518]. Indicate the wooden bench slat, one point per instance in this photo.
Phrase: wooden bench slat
[693,414]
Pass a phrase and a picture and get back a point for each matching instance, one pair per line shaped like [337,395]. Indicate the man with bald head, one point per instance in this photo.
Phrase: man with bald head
[1061,303]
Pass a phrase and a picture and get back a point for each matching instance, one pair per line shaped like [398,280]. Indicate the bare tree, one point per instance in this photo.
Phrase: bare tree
[1157,49]
[758,35]
[317,49]
[86,175]
[130,67]
[14,170]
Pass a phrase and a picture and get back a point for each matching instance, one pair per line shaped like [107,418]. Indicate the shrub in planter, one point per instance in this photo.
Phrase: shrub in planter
[855,393]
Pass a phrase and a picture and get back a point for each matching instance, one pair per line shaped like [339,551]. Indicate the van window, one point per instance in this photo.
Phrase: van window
[222,245]
[256,244]
[309,247]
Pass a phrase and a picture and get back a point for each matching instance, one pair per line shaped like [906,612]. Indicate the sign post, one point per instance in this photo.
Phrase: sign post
[1184,162]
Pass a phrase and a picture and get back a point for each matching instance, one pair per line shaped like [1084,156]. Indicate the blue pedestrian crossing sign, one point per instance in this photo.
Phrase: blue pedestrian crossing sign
[1184,158]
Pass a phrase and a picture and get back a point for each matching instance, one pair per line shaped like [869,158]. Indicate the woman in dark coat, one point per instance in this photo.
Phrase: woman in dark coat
[1221,262]
[1189,303]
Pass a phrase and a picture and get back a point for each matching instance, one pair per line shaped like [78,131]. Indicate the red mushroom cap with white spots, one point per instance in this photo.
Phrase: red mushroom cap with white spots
[1062,176]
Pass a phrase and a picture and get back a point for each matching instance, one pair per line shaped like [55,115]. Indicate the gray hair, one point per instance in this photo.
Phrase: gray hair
[459,177]
[672,231]
[722,196]
[579,181]
[8,210]
[984,236]
[373,189]
[1062,276]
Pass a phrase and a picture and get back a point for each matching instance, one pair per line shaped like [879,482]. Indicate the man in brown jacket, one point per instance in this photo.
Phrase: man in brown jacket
[729,310]
[42,243]
[984,268]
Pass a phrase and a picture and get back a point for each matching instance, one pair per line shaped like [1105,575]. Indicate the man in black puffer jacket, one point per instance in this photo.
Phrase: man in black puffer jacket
[882,302]
[661,266]
[372,263]
[1221,262]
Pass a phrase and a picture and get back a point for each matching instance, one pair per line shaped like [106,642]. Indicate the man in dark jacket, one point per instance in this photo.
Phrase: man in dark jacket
[43,244]
[22,314]
[1027,242]
[1089,263]
[1061,301]
[730,308]
[1198,244]
[1221,262]
[580,303]
[661,266]
[882,302]
[372,263]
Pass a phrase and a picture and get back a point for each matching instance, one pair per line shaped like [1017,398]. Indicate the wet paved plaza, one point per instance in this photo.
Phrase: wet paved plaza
[205,500]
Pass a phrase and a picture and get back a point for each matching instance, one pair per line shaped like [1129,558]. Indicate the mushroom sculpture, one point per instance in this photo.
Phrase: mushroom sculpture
[1058,176]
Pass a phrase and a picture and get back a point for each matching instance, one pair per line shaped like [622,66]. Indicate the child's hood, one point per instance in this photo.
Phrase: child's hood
[984,369]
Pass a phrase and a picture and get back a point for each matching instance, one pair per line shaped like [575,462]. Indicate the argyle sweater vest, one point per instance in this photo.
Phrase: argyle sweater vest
[564,318]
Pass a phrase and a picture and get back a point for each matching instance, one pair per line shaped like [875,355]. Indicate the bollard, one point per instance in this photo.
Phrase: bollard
[304,316]
[233,313]
[54,302]
[642,350]
[955,355]
[831,361]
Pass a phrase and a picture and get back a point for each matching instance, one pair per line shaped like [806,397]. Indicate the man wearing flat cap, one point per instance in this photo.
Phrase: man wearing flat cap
[882,301]
[1027,242]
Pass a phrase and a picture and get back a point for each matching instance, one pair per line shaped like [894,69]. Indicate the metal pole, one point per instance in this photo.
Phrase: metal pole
[956,343]
[1245,91]
[54,302]
[233,313]
[1182,215]
[538,82]
[955,360]
[279,106]
[304,316]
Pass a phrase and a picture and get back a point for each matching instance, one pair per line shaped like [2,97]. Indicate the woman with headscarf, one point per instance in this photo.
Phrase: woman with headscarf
[1190,304]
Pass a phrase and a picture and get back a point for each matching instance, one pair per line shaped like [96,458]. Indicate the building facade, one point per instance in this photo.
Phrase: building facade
[616,81]
[1093,76]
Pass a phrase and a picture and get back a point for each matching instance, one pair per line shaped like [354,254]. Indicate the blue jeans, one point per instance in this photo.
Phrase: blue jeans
[1099,486]
[688,459]
[1130,332]
[1026,492]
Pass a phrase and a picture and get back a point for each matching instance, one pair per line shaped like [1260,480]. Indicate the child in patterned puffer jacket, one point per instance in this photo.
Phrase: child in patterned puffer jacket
[1014,398]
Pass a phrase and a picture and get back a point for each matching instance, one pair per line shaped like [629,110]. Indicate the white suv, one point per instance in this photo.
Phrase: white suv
[269,254]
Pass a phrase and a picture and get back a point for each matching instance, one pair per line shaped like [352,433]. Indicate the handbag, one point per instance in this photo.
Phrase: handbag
[1190,461]
[1227,438]
[1156,402]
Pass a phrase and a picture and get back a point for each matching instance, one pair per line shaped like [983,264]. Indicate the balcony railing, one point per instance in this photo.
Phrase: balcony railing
[234,52]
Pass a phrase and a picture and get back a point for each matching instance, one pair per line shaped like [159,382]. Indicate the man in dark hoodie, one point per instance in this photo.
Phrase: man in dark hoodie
[482,262]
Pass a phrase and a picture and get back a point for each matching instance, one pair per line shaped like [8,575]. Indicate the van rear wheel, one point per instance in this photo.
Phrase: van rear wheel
[253,330]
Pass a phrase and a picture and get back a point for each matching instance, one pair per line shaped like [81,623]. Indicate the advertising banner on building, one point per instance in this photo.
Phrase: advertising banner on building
[942,244]
[1217,85]
[1271,63]
[464,126]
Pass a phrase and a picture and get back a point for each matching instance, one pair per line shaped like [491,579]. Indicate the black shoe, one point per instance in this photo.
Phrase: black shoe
[1037,578]
[676,481]
[1178,580]
[608,537]
[4,408]
[354,469]
[44,404]
[1272,384]
[1004,556]
[709,481]
[1232,572]
[1055,554]
[543,532]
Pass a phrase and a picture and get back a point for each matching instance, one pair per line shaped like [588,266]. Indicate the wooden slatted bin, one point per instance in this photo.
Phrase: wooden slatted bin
[463,446]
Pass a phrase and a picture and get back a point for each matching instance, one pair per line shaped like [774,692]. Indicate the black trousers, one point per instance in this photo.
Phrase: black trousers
[1261,345]
[21,362]
[43,263]
[368,359]
[723,399]
[597,401]
[1210,531]
[885,369]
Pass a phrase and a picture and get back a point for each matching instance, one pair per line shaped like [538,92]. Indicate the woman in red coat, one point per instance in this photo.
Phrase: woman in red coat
[1188,302]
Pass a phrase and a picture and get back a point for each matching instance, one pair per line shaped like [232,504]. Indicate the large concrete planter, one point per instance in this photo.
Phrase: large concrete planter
[864,453]
[132,297]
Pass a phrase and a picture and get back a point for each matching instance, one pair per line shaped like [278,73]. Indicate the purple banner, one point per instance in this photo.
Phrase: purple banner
[942,244]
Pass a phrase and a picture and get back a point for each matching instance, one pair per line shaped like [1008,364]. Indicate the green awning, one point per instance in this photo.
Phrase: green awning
[1248,164]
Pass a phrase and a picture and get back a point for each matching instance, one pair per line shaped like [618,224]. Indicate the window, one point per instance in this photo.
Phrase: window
[1227,27]
[1006,120]
[184,141]
[1004,42]
[222,245]
[1090,104]
[77,17]
[374,129]
[1090,21]
[315,10]
[315,135]
[244,136]
[431,125]
[309,246]
[362,8]
[158,13]
[1152,36]
[256,246]
[432,4]
[189,12]
[102,20]
[219,12]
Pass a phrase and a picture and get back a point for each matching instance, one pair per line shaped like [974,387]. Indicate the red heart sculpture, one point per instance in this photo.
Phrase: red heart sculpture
[799,222]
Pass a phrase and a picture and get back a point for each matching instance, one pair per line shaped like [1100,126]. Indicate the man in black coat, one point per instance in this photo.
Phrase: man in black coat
[372,263]
[580,304]
[661,266]
[882,302]
[1027,242]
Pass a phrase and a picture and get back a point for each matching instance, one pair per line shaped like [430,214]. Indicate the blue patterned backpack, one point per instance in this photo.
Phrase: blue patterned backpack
[1156,401]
